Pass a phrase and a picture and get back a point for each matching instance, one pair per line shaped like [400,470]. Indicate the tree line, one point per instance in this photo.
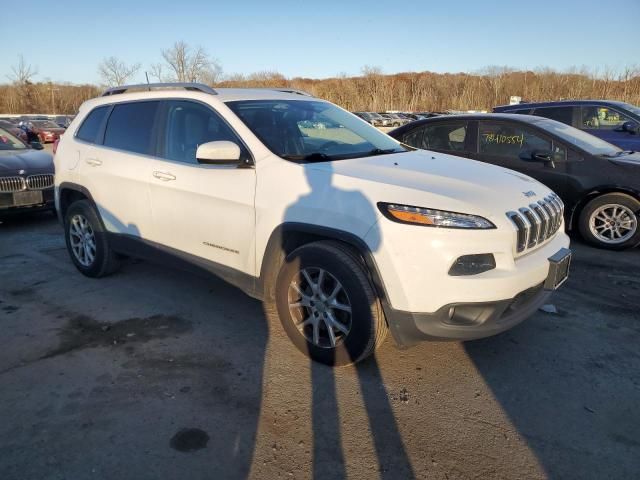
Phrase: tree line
[372,90]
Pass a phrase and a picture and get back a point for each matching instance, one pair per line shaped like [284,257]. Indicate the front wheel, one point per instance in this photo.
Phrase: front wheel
[87,241]
[611,221]
[327,306]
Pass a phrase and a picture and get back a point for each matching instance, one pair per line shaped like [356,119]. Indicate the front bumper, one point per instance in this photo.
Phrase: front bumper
[7,207]
[465,321]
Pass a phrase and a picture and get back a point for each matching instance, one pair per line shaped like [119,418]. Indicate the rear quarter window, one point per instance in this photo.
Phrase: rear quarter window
[91,126]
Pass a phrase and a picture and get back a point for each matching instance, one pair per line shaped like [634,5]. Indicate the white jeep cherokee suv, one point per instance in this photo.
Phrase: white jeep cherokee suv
[342,231]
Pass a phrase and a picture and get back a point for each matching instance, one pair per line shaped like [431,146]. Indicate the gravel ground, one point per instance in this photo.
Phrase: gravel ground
[155,373]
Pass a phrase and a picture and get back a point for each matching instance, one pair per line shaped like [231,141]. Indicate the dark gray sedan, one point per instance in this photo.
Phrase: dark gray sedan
[26,176]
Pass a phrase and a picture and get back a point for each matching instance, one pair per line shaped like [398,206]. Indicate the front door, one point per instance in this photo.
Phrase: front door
[202,210]
[606,123]
[509,144]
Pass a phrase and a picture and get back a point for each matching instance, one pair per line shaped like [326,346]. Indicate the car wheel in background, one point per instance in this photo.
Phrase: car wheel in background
[87,241]
[327,306]
[611,221]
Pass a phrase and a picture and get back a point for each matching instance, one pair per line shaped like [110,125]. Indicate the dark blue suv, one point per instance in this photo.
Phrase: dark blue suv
[614,122]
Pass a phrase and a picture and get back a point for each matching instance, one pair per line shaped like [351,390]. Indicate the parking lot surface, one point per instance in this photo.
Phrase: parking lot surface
[155,373]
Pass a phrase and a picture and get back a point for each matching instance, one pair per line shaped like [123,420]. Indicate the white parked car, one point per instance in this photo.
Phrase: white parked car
[342,231]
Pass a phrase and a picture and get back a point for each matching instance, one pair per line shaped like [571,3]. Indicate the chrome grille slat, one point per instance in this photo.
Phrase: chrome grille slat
[552,220]
[534,226]
[537,223]
[12,184]
[40,182]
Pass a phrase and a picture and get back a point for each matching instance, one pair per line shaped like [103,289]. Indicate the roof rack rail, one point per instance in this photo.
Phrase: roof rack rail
[291,90]
[197,87]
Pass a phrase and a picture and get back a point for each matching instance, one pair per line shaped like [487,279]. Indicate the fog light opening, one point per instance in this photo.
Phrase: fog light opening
[472,264]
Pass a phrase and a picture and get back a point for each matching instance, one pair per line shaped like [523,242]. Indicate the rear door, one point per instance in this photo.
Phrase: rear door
[606,122]
[202,210]
[449,136]
[116,168]
[566,113]
[507,143]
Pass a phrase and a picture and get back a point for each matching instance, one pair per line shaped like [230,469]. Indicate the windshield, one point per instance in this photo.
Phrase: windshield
[310,130]
[9,142]
[631,108]
[578,138]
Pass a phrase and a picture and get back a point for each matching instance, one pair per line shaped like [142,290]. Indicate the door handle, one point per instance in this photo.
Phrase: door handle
[94,162]
[164,176]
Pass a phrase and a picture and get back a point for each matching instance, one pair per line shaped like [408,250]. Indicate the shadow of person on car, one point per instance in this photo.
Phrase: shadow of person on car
[352,212]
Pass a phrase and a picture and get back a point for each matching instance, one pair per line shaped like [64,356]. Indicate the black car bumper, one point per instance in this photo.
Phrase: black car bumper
[9,205]
[468,321]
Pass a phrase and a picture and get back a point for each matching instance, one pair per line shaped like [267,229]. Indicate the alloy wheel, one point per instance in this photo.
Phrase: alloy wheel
[320,307]
[82,240]
[613,223]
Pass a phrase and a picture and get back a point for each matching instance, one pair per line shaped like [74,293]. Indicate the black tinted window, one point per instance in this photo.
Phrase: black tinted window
[189,125]
[414,137]
[560,114]
[130,127]
[509,139]
[90,128]
[448,136]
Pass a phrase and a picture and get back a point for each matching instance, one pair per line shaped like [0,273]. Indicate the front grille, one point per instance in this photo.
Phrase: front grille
[12,184]
[40,182]
[537,222]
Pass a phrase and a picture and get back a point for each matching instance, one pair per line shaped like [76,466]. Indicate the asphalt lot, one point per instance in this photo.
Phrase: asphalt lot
[155,373]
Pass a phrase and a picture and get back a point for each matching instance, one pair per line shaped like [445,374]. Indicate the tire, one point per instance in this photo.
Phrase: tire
[345,284]
[104,261]
[619,208]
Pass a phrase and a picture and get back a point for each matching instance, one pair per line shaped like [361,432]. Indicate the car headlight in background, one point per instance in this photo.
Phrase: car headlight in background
[433,218]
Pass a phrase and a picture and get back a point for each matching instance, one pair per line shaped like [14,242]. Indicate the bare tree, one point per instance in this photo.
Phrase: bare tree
[22,73]
[114,71]
[188,65]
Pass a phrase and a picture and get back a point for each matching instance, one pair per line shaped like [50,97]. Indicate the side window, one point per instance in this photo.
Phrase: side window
[130,127]
[189,125]
[601,118]
[561,114]
[414,137]
[448,136]
[509,139]
[90,128]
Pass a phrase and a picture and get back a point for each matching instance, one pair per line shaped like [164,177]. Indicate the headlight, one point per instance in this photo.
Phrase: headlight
[432,218]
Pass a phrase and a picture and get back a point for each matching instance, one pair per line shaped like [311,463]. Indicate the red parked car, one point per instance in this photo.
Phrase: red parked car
[47,130]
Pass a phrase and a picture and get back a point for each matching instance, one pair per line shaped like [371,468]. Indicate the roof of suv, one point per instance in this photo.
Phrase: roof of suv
[519,106]
[194,91]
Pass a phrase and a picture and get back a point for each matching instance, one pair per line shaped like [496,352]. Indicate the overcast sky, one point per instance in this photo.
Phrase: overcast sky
[66,40]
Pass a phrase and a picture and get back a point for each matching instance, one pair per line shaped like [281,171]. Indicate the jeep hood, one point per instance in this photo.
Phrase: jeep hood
[445,181]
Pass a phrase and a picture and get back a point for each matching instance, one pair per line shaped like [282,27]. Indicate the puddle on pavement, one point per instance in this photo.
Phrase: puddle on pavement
[84,332]
[189,440]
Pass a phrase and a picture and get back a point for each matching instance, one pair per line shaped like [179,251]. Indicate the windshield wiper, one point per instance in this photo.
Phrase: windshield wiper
[312,157]
[619,154]
[380,151]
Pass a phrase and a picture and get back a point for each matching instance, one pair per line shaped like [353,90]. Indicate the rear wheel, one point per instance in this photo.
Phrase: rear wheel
[87,241]
[327,306]
[611,221]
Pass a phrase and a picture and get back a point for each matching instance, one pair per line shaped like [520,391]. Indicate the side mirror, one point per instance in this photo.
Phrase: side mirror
[221,152]
[36,145]
[629,127]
